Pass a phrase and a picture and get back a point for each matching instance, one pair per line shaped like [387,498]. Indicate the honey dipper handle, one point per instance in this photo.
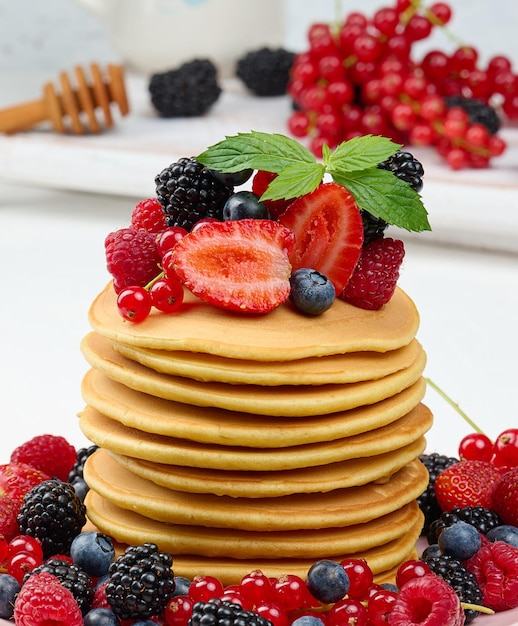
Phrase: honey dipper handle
[22,116]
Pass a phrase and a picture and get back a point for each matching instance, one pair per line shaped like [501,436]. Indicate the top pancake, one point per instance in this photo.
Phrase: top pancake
[282,335]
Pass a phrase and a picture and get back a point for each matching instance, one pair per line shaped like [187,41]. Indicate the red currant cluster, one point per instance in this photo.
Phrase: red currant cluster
[503,452]
[362,78]
[282,600]
[20,555]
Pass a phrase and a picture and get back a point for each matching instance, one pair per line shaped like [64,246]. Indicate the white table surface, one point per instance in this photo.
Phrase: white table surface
[52,265]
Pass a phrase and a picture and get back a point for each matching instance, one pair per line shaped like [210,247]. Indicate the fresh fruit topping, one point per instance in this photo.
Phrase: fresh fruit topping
[43,600]
[467,483]
[495,567]
[406,167]
[266,71]
[460,540]
[54,514]
[352,164]
[506,533]
[260,183]
[16,479]
[311,292]
[505,448]
[148,215]
[375,276]
[187,91]
[241,265]
[505,497]
[9,508]
[166,294]
[428,601]
[476,447]
[244,204]
[131,257]
[51,454]
[9,589]
[481,518]
[188,192]
[134,304]
[327,581]
[233,179]
[93,552]
[219,613]
[435,463]
[328,232]
[141,582]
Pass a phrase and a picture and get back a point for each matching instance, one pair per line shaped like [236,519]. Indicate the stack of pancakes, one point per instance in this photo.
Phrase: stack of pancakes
[242,442]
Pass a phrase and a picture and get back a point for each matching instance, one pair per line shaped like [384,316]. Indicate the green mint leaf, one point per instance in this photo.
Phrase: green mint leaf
[255,150]
[294,181]
[384,195]
[359,153]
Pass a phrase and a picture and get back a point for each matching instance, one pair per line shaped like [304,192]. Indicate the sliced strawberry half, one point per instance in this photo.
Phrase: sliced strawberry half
[328,232]
[241,265]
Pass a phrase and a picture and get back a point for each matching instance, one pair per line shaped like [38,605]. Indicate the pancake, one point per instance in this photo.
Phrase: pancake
[217,426]
[337,508]
[381,453]
[129,527]
[339,368]
[198,327]
[285,401]
[270,482]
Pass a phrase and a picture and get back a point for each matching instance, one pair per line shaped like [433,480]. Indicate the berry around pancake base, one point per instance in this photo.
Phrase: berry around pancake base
[221,427]
[282,335]
[340,507]
[285,401]
[128,527]
[405,434]
[337,368]
[129,442]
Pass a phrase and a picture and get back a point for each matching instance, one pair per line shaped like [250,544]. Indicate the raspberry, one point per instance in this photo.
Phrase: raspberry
[148,215]
[43,600]
[495,567]
[188,91]
[189,192]
[428,601]
[131,257]
[266,72]
[374,279]
[51,454]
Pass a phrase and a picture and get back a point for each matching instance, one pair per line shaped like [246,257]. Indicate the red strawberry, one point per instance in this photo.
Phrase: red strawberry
[328,232]
[241,265]
[52,454]
[18,478]
[260,183]
[466,483]
[375,277]
[9,508]
[505,497]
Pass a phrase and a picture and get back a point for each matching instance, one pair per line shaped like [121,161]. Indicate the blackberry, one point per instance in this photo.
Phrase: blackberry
[406,167]
[140,583]
[373,227]
[479,112]
[54,514]
[481,518]
[216,612]
[266,72]
[460,579]
[188,91]
[71,576]
[188,192]
[77,470]
[435,463]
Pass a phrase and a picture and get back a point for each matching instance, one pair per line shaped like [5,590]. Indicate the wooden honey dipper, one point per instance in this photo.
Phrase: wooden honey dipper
[78,104]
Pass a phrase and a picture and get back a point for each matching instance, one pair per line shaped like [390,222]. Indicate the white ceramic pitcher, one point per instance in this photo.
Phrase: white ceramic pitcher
[157,35]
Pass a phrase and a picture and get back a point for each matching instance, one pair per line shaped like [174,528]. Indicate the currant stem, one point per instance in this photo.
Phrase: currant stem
[477,607]
[446,397]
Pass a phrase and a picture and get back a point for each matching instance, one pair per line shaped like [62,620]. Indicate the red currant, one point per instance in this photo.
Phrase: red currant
[169,238]
[476,447]
[134,304]
[167,294]
[202,588]
[379,606]
[505,450]
[27,544]
[178,611]
[411,569]
[360,577]
[272,612]
[348,611]
[22,563]
[290,593]
[256,587]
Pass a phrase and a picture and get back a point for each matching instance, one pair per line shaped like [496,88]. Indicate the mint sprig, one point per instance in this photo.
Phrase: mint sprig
[352,164]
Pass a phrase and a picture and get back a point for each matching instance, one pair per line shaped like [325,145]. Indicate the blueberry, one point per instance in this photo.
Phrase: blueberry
[93,552]
[311,292]
[101,617]
[431,551]
[80,487]
[232,179]
[9,587]
[327,581]
[307,620]
[244,204]
[390,587]
[460,540]
[506,533]
[182,585]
